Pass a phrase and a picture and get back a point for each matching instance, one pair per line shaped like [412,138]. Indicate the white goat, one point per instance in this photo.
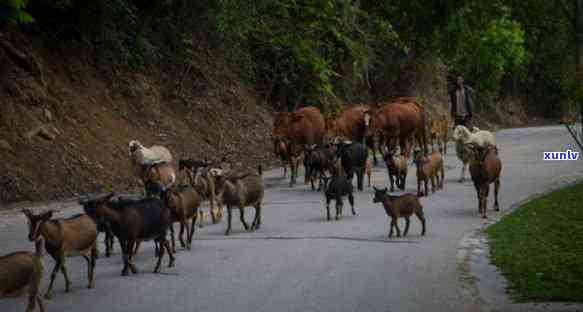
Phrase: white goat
[463,137]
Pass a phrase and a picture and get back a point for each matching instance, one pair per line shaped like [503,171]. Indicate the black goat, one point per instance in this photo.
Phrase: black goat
[134,221]
[336,187]
[353,157]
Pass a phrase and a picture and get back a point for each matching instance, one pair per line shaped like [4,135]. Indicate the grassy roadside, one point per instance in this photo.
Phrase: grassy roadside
[539,247]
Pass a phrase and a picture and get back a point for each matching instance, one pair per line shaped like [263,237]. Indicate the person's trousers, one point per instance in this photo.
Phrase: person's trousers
[465,121]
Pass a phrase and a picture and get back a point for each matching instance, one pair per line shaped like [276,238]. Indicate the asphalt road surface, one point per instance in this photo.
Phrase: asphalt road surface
[298,261]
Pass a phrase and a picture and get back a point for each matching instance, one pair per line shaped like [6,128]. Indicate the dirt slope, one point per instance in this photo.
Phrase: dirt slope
[65,120]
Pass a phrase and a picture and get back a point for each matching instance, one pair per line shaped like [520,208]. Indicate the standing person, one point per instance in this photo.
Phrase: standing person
[462,104]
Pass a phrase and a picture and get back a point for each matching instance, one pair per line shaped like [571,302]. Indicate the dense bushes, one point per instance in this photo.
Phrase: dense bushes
[325,52]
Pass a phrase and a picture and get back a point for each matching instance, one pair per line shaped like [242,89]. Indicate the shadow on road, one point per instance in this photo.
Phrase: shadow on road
[357,239]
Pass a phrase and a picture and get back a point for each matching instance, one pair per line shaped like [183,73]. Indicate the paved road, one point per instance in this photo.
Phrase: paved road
[299,262]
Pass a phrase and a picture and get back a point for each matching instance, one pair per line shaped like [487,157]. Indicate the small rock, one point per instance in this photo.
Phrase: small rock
[46,134]
[5,145]
[48,114]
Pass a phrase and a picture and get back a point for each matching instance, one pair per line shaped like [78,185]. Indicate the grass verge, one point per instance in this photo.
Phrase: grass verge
[539,247]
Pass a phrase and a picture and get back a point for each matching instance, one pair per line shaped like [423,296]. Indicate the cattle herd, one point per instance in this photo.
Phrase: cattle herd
[333,150]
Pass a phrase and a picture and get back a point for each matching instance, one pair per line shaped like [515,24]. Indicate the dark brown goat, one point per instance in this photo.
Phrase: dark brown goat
[65,238]
[134,221]
[22,272]
[485,168]
[400,206]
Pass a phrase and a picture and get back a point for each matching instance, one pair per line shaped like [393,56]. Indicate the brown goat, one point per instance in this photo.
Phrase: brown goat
[159,174]
[429,168]
[65,238]
[438,132]
[485,168]
[241,188]
[400,206]
[183,204]
[22,272]
[396,169]
[368,170]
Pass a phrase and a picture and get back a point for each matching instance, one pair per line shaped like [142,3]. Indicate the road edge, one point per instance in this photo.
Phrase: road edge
[474,247]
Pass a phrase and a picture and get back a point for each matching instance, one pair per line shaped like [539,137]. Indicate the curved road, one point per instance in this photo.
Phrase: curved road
[299,262]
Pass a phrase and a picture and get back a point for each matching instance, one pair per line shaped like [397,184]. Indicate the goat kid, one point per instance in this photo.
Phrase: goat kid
[402,206]
[429,168]
[335,188]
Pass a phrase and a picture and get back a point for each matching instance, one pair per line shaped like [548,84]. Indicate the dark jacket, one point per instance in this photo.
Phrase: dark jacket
[469,101]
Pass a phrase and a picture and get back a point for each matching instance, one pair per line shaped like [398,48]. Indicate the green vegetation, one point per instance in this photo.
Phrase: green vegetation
[12,12]
[538,248]
[324,52]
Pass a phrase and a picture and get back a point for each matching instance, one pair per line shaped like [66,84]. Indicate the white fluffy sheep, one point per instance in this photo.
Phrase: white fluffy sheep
[141,156]
[463,137]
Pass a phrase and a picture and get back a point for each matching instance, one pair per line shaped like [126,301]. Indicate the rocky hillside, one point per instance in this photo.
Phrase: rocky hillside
[65,120]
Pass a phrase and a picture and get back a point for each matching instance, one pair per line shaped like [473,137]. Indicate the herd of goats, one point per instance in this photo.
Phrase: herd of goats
[332,150]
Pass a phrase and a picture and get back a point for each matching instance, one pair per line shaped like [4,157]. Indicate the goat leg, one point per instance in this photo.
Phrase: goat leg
[108,242]
[328,208]
[181,234]
[92,265]
[170,256]
[351,201]
[49,293]
[229,217]
[463,176]
[496,189]
[339,205]
[171,228]
[397,226]
[391,228]
[422,219]
[212,209]
[131,244]
[242,217]
[126,250]
[191,233]
[407,221]
[161,255]
[433,184]
[65,275]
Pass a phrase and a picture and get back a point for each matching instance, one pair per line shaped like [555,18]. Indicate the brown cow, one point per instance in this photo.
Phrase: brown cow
[352,124]
[399,120]
[279,138]
[307,127]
